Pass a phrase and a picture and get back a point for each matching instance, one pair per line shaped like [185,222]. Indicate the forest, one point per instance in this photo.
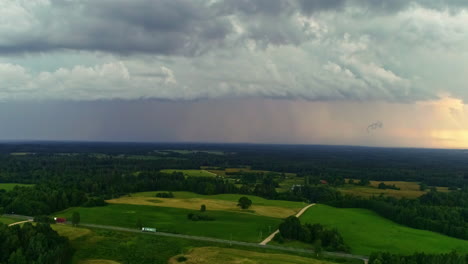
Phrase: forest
[64,175]
[32,244]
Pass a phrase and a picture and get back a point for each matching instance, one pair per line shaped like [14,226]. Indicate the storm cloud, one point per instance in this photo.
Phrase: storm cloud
[323,50]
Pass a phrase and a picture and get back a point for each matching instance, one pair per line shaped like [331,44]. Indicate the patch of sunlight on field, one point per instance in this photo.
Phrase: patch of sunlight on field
[71,232]
[208,255]
[211,204]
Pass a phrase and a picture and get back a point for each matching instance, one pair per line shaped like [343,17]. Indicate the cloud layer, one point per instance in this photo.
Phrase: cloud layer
[358,50]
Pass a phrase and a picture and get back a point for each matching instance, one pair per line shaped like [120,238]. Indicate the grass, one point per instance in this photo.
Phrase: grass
[366,232]
[96,246]
[192,173]
[10,186]
[71,232]
[241,227]
[220,202]
[7,221]
[208,255]
[407,189]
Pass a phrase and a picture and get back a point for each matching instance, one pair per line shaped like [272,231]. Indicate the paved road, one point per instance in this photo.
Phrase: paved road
[214,240]
[270,237]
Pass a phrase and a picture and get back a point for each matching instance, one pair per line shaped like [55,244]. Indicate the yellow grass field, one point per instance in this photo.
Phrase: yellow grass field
[211,204]
[71,232]
[407,189]
[209,255]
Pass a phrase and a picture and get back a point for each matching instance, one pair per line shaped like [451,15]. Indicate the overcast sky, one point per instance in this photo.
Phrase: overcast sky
[267,71]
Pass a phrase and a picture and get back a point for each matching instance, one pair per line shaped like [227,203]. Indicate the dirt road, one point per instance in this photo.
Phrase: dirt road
[270,237]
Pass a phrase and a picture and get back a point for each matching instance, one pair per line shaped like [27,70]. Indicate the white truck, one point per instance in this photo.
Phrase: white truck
[148,229]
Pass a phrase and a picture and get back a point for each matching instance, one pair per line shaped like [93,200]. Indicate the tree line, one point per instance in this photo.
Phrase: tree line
[418,258]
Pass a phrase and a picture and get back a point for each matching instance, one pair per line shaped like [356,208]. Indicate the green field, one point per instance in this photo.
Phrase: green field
[238,226]
[192,173]
[97,246]
[10,186]
[256,200]
[366,232]
[407,189]
[221,202]
[7,221]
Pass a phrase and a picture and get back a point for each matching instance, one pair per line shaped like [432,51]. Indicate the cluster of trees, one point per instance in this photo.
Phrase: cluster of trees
[445,213]
[312,194]
[418,258]
[32,244]
[165,195]
[384,186]
[316,234]
[244,202]
[200,217]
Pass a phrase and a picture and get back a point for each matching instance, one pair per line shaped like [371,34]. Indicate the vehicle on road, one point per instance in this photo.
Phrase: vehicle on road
[148,229]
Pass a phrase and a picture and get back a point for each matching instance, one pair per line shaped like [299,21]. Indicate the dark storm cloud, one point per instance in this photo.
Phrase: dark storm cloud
[173,27]
[161,27]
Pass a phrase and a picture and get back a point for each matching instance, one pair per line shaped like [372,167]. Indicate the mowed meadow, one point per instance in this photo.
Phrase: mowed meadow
[219,202]
[366,232]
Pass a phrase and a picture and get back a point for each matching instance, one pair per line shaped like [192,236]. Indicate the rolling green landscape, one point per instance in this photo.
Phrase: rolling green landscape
[366,232]
[174,220]
[241,196]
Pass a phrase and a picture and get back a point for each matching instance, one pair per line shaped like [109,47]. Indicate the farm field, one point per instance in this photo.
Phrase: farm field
[219,202]
[407,189]
[228,225]
[208,255]
[366,232]
[10,186]
[192,173]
